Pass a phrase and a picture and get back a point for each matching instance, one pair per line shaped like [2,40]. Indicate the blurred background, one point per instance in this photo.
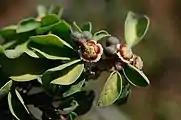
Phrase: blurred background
[160,50]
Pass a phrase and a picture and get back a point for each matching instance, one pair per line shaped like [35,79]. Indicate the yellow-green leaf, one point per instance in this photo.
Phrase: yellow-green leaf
[70,76]
[111,91]
[136,27]
[5,89]
[24,78]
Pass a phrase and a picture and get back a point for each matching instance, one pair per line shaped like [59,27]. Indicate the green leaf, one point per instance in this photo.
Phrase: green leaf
[24,77]
[63,66]
[47,23]
[74,104]
[52,57]
[100,34]
[4,90]
[63,30]
[19,50]
[9,32]
[136,27]
[87,27]
[111,91]
[76,87]
[49,20]
[70,75]
[135,76]
[50,40]
[21,100]
[26,70]
[52,47]
[1,50]
[17,106]
[27,25]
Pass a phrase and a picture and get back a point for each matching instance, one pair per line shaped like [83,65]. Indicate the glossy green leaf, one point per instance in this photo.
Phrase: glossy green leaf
[17,106]
[76,87]
[47,23]
[63,30]
[87,27]
[49,20]
[50,40]
[136,27]
[52,47]
[74,104]
[100,34]
[126,91]
[49,56]
[70,76]
[63,66]
[8,32]
[21,100]
[11,106]
[26,70]
[4,90]
[19,50]
[27,25]
[9,44]
[46,29]
[135,76]
[111,91]
[1,50]
[24,77]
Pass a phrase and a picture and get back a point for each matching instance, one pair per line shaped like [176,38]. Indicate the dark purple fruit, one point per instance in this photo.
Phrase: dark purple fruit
[111,50]
[112,41]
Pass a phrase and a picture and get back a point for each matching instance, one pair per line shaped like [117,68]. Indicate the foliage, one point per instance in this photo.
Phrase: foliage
[47,63]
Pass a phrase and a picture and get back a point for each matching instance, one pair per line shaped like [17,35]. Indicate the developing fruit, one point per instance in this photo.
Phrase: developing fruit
[125,53]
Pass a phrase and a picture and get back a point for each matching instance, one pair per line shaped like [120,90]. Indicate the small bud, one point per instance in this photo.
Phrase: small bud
[112,41]
[87,35]
[111,50]
[137,62]
[125,53]
[77,35]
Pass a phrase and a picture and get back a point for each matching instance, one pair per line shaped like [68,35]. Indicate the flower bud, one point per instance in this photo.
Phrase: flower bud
[125,53]
[112,41]
[137,62]
[87,35]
